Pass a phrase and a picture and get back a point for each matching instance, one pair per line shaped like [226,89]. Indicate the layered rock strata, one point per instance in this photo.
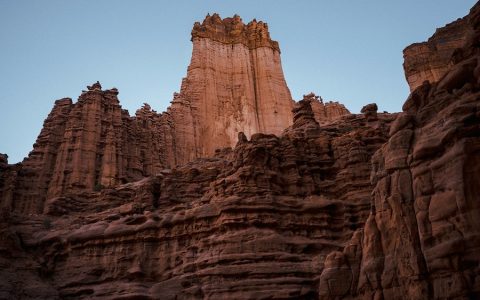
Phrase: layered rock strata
[89,145]
[371,206]
[234,83]
[253,222]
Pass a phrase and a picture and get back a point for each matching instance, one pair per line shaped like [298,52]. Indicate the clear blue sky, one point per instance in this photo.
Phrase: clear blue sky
[344,50]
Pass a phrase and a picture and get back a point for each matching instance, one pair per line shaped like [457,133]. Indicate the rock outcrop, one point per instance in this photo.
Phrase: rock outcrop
[234,84]
[370,111]
[430,60]
[326,112]
[367,206]
[87,146]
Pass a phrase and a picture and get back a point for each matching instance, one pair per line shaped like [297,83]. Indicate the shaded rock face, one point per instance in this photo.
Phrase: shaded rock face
[370,111]
[430,60]
[421,240]
[253,222]
[8,174]
[234,84]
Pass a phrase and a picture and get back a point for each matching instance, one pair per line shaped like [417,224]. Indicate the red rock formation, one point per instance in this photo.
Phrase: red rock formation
[36,171]
[430,60]
[90,145]
[326,112]
[249,223]
[235,83]
[370,111]
[372,206]
[421,240]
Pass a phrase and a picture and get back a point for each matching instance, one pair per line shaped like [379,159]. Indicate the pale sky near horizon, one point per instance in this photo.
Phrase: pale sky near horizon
[348,51]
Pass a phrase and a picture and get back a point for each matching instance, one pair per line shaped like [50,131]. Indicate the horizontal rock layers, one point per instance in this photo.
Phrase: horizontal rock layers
[234,84]
[249,223]
[372,206]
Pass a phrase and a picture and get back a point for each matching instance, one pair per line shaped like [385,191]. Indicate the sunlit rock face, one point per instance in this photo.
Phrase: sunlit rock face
[234,83]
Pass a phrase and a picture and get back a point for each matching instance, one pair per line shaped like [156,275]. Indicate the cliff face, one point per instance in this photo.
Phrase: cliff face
[235,83]
[370,206]
[430,60]
[249,223]
[421,240]
[87,146]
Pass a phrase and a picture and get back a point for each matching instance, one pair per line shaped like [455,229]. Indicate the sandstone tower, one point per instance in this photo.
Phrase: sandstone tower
[235,83]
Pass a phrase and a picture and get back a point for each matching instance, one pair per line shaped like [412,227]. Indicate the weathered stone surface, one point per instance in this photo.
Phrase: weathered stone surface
[370,111]
[8,174]
[234,83]
[234,31]
[253,222]
[326,112]
[89,145]
[430,60]
[421,240]
[369,206]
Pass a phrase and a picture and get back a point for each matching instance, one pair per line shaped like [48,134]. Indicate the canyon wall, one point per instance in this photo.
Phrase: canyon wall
[248,223]
[422,238]
[362,206]
[89,145]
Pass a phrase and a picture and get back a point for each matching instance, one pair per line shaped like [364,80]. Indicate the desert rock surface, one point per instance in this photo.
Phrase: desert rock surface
[298,200]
